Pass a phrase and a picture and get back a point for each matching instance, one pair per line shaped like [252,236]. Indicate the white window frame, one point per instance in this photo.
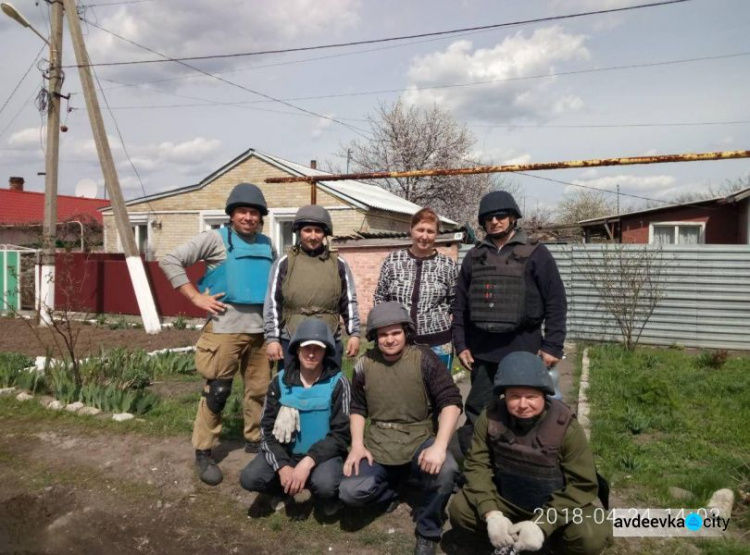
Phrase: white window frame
[135,221]
[208,219]
[276,217]
[676,226]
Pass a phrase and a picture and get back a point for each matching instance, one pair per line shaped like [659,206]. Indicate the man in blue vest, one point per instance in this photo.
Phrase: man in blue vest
[238,260]
[305,423]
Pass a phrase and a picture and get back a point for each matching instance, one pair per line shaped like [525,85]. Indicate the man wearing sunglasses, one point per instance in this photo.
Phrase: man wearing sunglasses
[508,287]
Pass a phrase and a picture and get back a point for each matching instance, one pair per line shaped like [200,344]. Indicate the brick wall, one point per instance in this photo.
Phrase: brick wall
[365,266]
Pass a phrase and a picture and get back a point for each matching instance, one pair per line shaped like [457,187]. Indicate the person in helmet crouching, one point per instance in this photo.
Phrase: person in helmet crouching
[310,281]
[530,474]
[399,386]
[305,423]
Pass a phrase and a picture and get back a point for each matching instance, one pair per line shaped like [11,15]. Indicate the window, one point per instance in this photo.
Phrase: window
[282,235]
[139,225]
[213,219]
[677,233]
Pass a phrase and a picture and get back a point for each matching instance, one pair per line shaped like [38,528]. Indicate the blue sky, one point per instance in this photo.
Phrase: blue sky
[179,125]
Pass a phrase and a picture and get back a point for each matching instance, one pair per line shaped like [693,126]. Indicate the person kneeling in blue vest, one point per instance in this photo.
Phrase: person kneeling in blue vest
[305,423]
[400,386]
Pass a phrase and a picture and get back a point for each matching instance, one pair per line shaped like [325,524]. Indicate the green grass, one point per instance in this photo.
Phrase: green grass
[663,418]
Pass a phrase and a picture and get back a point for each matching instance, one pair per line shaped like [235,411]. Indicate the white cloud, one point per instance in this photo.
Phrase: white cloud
[28,139]
[507,98]
[521,159]
[199,28]
[321,124]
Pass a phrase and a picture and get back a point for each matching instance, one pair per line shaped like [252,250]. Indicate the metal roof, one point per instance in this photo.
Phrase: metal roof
[730,198]
[356,193]
[370,196]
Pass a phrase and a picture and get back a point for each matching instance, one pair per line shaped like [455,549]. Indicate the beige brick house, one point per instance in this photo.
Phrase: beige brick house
[164,220]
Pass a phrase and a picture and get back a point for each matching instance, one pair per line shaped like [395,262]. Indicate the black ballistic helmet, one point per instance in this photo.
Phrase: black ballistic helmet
[386,314]
[497,201]
[312,214]
[523,369]
[246,194]
[315,331]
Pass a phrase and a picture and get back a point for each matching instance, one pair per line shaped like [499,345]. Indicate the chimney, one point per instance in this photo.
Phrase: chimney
[16,183]
[314,164]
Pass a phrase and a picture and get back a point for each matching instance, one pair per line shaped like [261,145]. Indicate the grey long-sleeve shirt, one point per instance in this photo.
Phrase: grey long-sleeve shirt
[209,247]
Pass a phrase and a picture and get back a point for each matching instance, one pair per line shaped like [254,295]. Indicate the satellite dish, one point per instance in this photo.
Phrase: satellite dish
[86,188]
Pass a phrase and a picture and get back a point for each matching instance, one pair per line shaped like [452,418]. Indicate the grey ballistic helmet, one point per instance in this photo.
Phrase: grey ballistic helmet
[387,314]
[315,331]
[246,194]
[497,201]
[523,369]
[312,214]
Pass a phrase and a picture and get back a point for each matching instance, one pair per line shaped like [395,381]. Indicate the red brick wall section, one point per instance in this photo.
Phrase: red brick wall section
[365,266]
[722,223]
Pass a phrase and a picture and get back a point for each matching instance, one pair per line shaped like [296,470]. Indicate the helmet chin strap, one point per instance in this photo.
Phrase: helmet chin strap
[502,234]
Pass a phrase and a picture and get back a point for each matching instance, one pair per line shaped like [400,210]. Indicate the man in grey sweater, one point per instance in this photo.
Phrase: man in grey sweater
[238,260]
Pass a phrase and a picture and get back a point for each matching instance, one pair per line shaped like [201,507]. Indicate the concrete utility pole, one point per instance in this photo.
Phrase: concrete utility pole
[46,300]
[45,280]
[135,264]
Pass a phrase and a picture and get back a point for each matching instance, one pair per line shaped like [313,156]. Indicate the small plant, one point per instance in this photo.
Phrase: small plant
[62,384]
[170,363]
[101,319]
[180,323]
[11,366]
[636,420]
[121,323]
[713,359]
[630,462]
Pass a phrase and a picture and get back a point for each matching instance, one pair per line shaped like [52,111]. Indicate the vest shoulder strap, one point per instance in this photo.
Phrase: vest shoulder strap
[555,424]
[525,251]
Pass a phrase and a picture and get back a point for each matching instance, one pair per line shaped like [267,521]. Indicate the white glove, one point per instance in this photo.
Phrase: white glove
[287,422]
[528,536]
[498,529]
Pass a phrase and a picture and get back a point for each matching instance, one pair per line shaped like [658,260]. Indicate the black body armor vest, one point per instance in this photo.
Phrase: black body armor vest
[501,296]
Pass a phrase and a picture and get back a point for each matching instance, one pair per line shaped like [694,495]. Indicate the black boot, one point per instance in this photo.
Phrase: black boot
[425,546]
[208,472]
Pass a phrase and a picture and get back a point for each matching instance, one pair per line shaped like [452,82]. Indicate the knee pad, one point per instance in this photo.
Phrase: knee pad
[217,394]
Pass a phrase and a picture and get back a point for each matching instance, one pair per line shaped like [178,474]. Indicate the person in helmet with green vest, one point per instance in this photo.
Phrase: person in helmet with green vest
[310,281]
[530,473]
[305,422]
[401,387]
[238,260]
[507,287]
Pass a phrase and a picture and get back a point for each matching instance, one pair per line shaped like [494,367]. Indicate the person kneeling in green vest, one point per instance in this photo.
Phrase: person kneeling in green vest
[399,386]
[530,474]
[305,423]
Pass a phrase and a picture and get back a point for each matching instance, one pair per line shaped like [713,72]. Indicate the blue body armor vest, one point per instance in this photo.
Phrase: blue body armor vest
[243,276]
[314,406]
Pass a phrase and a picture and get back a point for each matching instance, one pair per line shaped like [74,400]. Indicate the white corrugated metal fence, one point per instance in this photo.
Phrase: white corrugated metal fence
[706,291]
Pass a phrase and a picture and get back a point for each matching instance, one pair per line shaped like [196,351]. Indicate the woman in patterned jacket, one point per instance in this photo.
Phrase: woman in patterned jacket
[423,281]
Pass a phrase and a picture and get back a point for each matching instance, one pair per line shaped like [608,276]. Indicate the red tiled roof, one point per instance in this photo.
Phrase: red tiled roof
[25,207]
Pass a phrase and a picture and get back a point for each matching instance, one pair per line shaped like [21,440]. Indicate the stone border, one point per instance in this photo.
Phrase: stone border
[583,400]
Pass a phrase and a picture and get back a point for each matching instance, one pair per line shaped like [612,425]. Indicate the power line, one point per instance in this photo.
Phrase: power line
[522,78]
[590,187]
[357,130]
[398,38]
[22,78]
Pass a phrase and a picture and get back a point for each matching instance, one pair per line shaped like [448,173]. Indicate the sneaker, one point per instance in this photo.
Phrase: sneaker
[252,447]
[208,472]
[425,546]
[392,506]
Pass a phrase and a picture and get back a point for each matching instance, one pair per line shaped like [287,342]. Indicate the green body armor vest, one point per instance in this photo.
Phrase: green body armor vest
[311,287]
[398,406]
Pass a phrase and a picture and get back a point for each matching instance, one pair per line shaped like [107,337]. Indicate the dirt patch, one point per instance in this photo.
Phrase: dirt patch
[21,336]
